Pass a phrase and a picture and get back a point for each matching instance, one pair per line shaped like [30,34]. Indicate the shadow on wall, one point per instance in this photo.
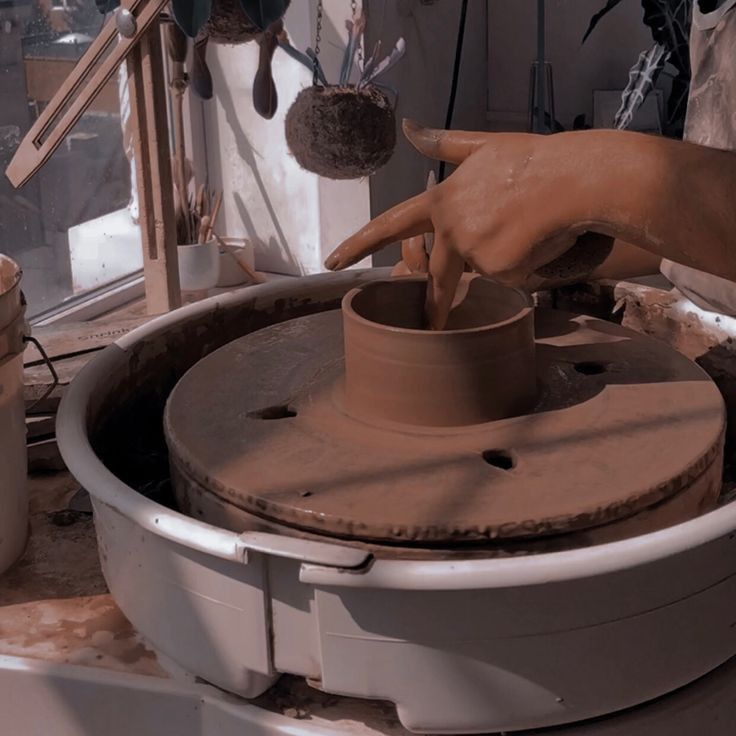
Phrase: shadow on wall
[278,245]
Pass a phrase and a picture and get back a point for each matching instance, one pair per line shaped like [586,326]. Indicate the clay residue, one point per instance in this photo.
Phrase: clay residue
[89,631]
[294,698]
[60,560]
[53,602]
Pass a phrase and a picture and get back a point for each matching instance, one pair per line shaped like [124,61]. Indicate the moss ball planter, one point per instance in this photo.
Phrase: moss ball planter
[341,132]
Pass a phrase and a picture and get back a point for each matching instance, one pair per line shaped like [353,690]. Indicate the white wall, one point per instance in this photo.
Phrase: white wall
[295,218]
[602,62]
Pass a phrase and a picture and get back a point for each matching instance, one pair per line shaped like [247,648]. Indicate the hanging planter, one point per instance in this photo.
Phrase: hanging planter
[343,130]
[233,22]
[228,23]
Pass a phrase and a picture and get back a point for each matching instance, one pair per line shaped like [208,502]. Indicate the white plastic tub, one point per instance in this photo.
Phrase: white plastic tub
[13,462]
[472,646]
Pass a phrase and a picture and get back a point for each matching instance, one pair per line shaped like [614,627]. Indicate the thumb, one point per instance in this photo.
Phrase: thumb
[453,146]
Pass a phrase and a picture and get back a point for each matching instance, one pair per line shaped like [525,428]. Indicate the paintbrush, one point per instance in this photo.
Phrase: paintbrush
[215,212]
[204,226]
[253,275]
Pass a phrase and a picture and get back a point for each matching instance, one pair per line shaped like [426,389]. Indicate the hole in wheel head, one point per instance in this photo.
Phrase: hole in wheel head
[279,411]
[502,459]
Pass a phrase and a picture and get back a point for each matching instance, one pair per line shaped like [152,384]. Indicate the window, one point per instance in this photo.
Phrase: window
[72,227]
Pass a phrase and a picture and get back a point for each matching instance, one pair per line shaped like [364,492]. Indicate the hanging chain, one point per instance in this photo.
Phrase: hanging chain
[317,39]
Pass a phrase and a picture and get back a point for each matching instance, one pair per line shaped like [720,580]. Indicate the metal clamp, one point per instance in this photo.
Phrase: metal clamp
[125,22]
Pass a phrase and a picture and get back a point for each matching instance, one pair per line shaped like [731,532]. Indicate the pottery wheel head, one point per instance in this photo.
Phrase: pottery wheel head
[620,428]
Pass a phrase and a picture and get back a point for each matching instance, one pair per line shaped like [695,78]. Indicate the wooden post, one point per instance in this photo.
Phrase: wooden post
[153,172]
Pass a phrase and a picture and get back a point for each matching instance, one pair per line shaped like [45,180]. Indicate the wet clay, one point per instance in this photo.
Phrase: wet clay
[480,368]
[261,426]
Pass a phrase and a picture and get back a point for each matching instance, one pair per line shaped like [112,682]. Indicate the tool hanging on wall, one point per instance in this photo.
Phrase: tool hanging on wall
[226,22]
[237,22]
[345,130]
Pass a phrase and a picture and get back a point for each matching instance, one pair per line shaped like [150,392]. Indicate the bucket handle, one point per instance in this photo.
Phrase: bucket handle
[49,365]
[13,341]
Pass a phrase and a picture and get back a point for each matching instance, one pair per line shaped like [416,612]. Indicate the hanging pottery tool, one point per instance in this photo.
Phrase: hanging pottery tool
[265,98]
[236,22]
[199,74]
[344,130]
[227,22]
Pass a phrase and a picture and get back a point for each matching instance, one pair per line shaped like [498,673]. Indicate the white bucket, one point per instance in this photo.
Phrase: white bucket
[232,251]
[199,266]
[13,462]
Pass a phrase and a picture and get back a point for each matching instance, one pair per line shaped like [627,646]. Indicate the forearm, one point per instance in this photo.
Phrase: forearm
[626,261]
[671,198]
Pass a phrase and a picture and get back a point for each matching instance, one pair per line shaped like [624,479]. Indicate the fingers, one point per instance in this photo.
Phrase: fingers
[446,267]
[401,269]
[453,146]
[414,254]
[403,221]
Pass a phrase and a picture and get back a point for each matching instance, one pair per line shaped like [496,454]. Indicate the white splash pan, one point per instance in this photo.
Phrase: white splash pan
[73,700]
[459,646]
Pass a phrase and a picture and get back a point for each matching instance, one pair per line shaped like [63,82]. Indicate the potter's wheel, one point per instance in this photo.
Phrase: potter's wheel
[487,643]
[260,437]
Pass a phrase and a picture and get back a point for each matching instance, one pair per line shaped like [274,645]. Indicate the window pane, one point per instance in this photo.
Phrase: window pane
[72,226]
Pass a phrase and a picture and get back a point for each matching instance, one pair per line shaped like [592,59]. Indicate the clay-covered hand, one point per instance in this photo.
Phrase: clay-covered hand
[416,249]
[518,201]
[414,256]
[511,206]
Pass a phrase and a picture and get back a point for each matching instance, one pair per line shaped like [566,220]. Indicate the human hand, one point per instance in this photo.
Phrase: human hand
[516,202]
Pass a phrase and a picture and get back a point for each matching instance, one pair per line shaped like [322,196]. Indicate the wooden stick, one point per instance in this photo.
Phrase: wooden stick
[213,217]
[153,171]
[204,227]
[253,275]
[179,150]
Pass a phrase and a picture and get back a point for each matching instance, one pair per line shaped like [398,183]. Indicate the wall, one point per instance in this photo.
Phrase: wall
[602,62]
[294,217]
[422,79]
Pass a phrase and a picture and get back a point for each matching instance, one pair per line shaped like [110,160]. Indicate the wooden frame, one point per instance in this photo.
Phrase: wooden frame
[153,174]
[148,92]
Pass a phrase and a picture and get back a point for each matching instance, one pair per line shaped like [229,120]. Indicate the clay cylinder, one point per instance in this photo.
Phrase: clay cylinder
[480,368]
